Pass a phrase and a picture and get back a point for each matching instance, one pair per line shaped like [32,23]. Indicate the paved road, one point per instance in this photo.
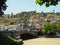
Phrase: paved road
[43,41]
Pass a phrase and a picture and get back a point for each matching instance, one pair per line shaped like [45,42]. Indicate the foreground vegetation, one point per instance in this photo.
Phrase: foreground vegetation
[7,40]
[51,28]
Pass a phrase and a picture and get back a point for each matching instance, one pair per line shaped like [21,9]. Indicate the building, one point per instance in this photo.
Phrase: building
[2,27]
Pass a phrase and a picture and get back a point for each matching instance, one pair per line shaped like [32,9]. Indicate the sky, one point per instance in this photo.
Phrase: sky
[17,6]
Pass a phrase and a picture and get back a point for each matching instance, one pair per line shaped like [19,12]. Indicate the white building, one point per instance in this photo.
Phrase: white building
[10,27]
[2,27]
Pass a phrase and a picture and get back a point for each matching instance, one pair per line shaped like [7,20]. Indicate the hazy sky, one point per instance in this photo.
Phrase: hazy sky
[17,6]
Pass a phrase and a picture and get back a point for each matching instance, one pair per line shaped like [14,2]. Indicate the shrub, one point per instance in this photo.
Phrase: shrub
[7,40]
[53,28]
[58,27]
[49,28]
[46,28]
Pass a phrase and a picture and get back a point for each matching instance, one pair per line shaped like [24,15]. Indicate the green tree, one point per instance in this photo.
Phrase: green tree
[46,28]
[53,28]
[49,28]
[47,2]
[3,6]
[58,26]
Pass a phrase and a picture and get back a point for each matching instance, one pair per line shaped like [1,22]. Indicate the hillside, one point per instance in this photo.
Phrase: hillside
[8,19]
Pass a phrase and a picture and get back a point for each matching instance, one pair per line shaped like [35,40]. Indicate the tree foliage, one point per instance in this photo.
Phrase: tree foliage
[3,6]
[49,28]
[47,2]
[53,28]
[58,26]
[46,28]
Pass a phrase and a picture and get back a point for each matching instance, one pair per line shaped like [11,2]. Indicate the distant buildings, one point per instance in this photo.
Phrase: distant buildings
[34,21]
[2,27]
[7,16]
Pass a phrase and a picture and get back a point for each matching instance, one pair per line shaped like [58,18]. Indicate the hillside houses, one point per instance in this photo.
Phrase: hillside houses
[2,27]
[7,16]
[25,17]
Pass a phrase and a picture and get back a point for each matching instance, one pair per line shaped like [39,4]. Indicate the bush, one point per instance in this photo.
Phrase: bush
[46,28]
[49,28]
[12,23]
[53,28]
[7,40]
[58,27]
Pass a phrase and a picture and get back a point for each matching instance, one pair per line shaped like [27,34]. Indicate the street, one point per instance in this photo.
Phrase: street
[42,41]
